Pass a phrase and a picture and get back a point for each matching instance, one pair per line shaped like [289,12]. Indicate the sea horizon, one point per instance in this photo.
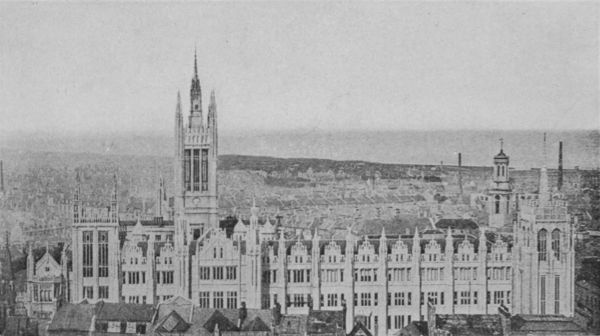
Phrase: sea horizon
[581,148]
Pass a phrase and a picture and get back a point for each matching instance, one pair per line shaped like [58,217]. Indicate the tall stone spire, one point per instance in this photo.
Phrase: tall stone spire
[195,99]
[195,64]
[212,121]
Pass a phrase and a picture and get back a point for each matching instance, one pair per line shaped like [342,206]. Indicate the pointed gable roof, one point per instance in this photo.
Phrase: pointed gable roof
[47,268]
[360,330]
[256,324]
[240,226]
[172,323]
[217,318]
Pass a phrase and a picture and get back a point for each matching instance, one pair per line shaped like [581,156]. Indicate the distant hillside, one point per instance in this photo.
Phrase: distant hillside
[350,167]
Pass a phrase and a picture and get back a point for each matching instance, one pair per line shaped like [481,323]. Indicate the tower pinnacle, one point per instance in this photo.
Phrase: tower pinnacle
[195,64]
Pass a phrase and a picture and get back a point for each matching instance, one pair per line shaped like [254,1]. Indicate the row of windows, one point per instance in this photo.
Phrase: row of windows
[88,254]
[366,299]
[134,278]
[399,274]
[120,327]
[88,292]
[542,241]
[365,275]
[332,275]
[165,277]
[399,321]
[399,299]
[136,299]
[192,169]
[465,273]
[270,276]
[432,274]
[556,294]
[218,273]
[499,273]
[219,300]
[498,297]
[298,276]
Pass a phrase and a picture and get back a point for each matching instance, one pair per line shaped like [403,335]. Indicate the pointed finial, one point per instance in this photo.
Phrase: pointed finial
[501,144]
[544,149]
[449,235]
[195,63]
[47,246]
[382,232]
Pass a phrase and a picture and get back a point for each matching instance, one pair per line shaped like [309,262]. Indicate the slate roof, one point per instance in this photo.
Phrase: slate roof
[179,316]
[125,312]
[456,224]
[326,321]
[537,323]
[78,317]
[470,325]
[415,328]
[72,317]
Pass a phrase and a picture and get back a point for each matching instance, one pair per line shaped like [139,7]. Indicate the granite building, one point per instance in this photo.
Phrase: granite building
[384,280]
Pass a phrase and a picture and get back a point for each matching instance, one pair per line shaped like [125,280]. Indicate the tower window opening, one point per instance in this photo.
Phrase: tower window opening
[187,170]
[103,254]
[542,250]
[88,254]
[556,243]
[204,169]
[497,204]
[557,294]
[196,169]
[543,295]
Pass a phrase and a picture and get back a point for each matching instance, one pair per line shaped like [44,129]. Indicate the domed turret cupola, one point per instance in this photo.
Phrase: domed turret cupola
[500,200]
[501,175]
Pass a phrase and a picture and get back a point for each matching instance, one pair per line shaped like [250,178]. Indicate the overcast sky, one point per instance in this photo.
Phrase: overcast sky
[111,67]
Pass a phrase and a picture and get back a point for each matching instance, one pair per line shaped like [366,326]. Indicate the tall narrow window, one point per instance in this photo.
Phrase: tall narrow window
[542,250]
[103,254]
[88,254]
[543,295]
[196,168]
[204,169]
[187,169]
[497,204]
[556,294]
[556,243]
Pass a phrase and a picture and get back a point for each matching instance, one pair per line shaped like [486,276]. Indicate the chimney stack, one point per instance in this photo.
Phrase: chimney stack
[560,165]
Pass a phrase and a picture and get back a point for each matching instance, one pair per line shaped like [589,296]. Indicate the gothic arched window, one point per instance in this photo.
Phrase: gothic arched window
[497,204]
[556,243]
[542,250]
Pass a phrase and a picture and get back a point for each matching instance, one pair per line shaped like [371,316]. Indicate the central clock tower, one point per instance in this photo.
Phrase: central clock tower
[196,204]
[196,196]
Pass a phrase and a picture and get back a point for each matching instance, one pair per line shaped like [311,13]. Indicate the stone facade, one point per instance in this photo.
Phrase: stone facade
[385,281]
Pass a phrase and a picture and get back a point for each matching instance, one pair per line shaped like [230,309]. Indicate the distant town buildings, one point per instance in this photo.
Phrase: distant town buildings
[385,281]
